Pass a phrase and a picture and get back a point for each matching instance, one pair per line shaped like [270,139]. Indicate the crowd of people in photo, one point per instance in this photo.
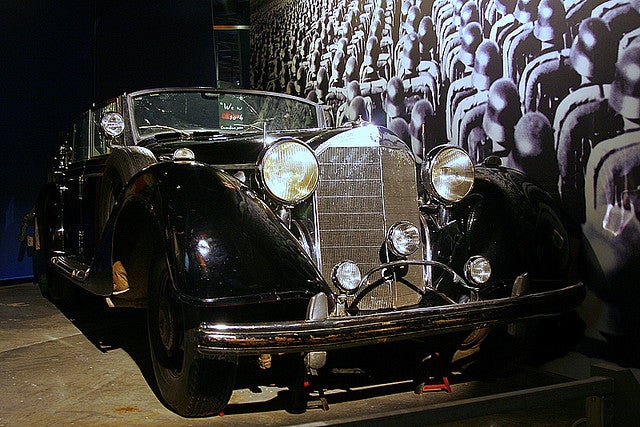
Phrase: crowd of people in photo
[550,86]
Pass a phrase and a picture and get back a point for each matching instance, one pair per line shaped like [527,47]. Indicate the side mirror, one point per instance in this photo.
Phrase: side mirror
[492,162]
[59,158]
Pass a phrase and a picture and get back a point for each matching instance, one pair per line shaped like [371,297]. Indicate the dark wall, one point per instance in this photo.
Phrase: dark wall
[144,44]
[46,80]
[59,57]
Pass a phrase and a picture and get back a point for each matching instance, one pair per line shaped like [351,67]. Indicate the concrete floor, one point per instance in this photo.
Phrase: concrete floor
[88,365]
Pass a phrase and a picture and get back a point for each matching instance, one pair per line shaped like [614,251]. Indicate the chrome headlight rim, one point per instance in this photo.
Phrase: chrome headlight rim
[392,240]
[262,165]
[434,160]
[183,154]
[477,270]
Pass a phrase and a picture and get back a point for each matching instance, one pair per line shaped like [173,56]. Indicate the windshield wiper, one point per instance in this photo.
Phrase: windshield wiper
[258,125]
[165,128]
[203,133]
[170,132]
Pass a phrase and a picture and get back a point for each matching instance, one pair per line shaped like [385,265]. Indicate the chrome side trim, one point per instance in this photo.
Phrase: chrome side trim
[235,166]
[72,269]
[353,331]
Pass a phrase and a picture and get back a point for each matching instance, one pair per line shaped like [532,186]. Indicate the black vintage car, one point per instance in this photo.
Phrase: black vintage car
[249,228]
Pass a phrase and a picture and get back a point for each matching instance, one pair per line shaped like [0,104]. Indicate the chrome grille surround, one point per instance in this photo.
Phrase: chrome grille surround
[367,183]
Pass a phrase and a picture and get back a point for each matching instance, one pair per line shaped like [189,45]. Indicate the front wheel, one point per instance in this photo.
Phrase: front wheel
[189,385]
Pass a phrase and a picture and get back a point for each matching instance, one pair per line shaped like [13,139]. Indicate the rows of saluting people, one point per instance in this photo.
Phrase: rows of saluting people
[551,86]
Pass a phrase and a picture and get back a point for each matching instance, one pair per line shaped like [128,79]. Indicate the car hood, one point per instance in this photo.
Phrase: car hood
[235,148]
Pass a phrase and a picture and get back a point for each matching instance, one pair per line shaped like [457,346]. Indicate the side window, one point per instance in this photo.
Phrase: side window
[102,142]
[80,148]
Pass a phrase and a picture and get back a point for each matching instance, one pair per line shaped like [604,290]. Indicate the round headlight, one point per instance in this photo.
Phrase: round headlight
[346,275]
[448,173]
[478,269]
[289,171]
[403,238]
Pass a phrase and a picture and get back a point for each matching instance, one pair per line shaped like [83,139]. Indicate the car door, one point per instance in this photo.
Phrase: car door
[90,147]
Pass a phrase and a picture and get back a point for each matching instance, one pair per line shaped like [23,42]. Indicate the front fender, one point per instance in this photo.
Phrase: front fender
[513,223]
[223,244]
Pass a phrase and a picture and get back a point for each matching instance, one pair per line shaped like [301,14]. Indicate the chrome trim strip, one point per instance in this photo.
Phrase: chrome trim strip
[353,331]
[235,166]
[385,218]
[366,135]
[73,270]
[231,27]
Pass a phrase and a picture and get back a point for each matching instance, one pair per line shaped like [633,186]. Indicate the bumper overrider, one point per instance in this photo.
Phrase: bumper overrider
[352,331]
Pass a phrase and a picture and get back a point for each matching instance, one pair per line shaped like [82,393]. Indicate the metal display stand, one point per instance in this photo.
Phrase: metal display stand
[611,397]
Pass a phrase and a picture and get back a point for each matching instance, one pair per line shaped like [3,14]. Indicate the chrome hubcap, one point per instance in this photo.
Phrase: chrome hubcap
[167,327]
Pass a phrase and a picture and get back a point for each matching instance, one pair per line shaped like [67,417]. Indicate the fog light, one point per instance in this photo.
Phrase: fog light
[403,238]
[346,275]
[478,270]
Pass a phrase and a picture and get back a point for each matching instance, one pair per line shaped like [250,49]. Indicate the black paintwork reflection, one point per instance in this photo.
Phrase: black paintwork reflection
[225,243]
[508,220]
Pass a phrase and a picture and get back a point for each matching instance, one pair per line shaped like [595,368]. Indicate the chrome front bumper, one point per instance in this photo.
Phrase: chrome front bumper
[353,331]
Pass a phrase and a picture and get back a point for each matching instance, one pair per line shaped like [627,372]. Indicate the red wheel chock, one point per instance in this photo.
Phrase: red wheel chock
[443,386]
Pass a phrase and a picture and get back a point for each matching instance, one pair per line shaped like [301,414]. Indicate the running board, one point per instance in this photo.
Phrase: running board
[72,269]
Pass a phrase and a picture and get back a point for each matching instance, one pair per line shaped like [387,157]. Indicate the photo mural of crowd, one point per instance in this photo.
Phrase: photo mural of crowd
[550,86]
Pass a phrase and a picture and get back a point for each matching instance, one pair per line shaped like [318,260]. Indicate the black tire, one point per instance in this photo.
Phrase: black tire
[56,288]
[468,352]
[122,164]
[189,385]
[43,284]
[299,390]
[52,285]
[497,351]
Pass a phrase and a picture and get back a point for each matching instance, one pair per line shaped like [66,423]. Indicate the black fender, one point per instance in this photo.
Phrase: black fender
[223,244]
[512,222]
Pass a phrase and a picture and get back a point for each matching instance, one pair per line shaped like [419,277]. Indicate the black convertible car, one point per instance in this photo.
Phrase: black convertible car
[249,228]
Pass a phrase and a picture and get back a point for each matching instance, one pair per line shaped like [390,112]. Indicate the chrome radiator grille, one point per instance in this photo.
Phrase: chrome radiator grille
[362,192]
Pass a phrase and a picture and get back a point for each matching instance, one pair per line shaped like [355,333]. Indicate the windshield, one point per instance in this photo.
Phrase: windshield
[190,112]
